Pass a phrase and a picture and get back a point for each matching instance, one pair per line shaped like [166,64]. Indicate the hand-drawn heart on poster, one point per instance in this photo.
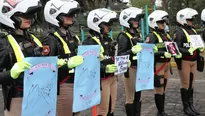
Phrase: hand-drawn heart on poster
[145,68]
[40,87]
[87,79]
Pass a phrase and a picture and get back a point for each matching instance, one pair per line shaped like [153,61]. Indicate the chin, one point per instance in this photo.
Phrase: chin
[136,26]
[26,27]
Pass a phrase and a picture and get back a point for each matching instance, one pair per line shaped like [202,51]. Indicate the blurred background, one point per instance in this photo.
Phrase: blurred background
[80,26]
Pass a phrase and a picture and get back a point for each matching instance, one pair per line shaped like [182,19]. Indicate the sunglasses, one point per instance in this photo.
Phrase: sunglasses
[161,22]
[26,16]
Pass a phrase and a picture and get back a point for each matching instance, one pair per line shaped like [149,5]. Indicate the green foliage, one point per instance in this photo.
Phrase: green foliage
[173,6]
[141,3]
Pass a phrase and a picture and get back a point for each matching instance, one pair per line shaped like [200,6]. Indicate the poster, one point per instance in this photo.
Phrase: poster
[196,41]
[145,68]
[172,48]
[122,64]
[87,79]
[40,87]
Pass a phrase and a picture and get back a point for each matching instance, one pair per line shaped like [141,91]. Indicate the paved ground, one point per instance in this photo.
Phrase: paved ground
[173,100]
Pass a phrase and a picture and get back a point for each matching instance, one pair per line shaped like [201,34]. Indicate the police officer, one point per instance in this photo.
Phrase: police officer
[157,21]
[99,22]
[187,65]
[62,42]
[16,43]
[127,45]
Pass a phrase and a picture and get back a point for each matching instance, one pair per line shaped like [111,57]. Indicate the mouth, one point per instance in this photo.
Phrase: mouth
[28,22]
[88,97]
[144,80]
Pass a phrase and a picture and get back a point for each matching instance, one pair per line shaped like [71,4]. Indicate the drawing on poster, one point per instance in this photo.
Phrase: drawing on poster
[42,92]
[172,48]
[122,64]
[196,41]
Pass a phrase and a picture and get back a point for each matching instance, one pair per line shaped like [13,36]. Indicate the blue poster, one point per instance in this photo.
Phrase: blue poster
[87,79]
[145,68]
[40,87]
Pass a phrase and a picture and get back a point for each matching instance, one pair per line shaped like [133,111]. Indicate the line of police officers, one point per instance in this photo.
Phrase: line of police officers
[17,42]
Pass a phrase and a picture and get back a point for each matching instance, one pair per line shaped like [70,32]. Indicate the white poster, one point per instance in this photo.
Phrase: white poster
[122,64]
[196,41]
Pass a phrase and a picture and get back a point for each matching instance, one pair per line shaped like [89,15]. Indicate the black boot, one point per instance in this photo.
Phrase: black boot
[191,92]
[137,108]
[130,109]
[159,101]
[137,104]
[109,109]
[185,100]
[110,114]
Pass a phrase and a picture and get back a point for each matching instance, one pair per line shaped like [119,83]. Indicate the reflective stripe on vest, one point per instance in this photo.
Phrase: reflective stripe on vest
[187,35]
[65,46]
[169,37]
[99,43]
[16,48]
[158,37]
[77,39]
[36,40]
[130,37]
[141,35]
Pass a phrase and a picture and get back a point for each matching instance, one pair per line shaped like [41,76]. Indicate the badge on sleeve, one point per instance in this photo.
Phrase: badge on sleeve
[46,50]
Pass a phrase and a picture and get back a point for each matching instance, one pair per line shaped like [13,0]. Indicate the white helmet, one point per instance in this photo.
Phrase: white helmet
[130,13]
[156,16]
[9,8]
[54,8]
[184,14]
[124,1]
[203,15]
[100,16]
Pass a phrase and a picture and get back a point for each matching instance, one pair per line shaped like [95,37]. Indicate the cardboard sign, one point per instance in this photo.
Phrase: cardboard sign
[196,41]
[172,48]
[122,64]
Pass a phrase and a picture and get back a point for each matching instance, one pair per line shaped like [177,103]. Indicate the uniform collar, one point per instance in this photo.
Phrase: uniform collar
[135,33]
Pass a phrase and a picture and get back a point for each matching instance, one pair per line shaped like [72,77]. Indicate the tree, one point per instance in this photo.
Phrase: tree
[142,3]
[173,6]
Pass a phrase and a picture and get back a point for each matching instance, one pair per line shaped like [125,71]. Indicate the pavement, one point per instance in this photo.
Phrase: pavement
[173,105]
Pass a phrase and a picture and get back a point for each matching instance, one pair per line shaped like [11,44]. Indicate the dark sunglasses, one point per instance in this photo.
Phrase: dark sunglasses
[161,22]
[26,16]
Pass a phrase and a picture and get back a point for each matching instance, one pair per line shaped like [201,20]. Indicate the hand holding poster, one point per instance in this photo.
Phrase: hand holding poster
[172,48]
[40,87]
[87,79]
[145,68]
[196,41]
[122,64]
